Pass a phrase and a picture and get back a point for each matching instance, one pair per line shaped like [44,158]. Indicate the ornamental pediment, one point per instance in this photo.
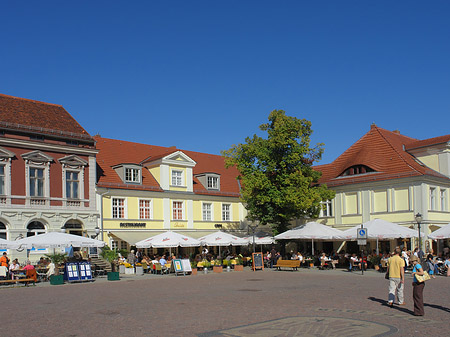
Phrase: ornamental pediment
[4,153]
[179,158]
[37,157]
[73,160]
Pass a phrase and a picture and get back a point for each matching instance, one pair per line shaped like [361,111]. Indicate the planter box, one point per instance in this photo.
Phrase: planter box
[122,269]
[56,279]
[129,271]
[194,271]
[139,270]
[113,276]
[238,267]
[217,269]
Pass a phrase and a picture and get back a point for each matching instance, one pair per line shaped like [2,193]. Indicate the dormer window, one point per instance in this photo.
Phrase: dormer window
[177,178]
[357,169]
[132,175]
[129,173]
[213,183]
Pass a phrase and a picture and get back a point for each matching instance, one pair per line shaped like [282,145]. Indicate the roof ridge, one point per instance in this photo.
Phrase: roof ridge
[393,147]
[30,100]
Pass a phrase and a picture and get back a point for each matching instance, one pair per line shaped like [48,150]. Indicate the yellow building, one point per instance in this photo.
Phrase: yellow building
[393,177]
[145,190]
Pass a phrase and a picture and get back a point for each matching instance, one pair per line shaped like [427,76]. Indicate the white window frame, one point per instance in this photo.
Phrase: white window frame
[432,198]
[35,181]
[4,231]
[443,199]
[225,212]
[134,175]
[66,181]
[215,182]
[3,181]
[177,180]
[206,212]
[180,208]
[149,207]
[118,207]
[328,211]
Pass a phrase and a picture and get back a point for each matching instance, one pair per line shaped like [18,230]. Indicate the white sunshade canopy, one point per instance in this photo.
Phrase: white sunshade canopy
[5,244]
[168,239]
[222,239]
[441,233]
[58,240]
[313,231]
[265,240]
[381,229]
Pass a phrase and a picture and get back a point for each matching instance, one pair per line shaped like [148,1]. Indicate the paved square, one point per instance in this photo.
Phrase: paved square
[261,303]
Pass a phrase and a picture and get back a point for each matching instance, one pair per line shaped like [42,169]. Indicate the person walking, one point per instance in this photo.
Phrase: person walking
[417,287]
[396,270]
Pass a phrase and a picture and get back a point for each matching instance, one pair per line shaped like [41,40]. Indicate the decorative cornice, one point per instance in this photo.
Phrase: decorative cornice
[47,146]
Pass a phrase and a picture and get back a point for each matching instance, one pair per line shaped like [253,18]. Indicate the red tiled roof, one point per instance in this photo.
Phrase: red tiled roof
[381,150]
[114,152]
[39,117]
[428,142]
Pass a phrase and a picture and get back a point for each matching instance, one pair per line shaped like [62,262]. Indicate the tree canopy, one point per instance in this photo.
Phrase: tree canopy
[276,174]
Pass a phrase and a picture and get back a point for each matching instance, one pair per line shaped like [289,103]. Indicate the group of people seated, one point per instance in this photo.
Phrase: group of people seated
[14,270]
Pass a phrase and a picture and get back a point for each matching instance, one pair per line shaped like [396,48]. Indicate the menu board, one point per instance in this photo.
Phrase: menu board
[181,266]
[72,274]
[85,271]
[257,261]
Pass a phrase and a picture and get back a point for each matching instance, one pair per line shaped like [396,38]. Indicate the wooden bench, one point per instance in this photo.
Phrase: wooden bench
[294,264]
[25,280]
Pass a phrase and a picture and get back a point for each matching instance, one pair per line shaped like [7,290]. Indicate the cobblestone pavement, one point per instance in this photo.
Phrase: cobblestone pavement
[261,303]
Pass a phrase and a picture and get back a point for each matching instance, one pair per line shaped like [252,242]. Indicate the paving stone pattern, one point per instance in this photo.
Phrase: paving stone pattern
[261,303]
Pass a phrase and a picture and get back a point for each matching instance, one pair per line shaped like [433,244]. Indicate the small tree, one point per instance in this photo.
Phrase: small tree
[57,259]
[276,174]
[110,255]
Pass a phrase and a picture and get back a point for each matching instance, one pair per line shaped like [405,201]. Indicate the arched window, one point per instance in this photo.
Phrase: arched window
[357,169]
[3,231]
[74,227]
[35,228]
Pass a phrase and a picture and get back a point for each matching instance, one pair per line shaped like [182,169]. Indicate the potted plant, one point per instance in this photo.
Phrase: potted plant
[57,259]
[218,268]
[239,264]
[206,264]
[375,260]
[194,267]
[111,256]
[139,269]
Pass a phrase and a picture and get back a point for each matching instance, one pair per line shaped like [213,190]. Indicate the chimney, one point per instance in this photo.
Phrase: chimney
[396,131]
[373,125]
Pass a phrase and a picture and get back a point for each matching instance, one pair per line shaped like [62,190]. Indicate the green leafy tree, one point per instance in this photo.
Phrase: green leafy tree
[276,174]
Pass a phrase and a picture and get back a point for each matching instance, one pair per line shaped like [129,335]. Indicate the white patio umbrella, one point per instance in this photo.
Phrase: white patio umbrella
[5,244]
[262,240]
[380,229]
[441,233]
[168,239]
[313,231]
[220,238]
[58,240]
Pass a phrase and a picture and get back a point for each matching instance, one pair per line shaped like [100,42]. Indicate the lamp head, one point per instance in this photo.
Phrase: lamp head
[418,218]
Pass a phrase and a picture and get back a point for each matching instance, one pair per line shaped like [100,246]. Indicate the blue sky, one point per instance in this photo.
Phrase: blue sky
[203,75]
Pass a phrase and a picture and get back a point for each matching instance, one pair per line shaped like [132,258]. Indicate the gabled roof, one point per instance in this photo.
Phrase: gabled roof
[36,117]
[381,150]
[114,152]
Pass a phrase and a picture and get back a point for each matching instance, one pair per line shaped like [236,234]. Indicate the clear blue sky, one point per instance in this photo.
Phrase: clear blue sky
[203,75]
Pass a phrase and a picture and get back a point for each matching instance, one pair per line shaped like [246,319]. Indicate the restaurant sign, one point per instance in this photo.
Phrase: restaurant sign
[132,224]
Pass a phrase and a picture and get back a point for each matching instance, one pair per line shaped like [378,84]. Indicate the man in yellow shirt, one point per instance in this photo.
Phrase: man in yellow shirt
[396,270]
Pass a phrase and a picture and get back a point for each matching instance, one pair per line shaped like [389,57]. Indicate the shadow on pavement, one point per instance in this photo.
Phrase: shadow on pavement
[396,307]
[437,307]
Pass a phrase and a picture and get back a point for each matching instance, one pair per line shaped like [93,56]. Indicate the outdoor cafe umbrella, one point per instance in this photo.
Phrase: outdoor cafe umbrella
[168,239]
[441,233]
[313,231]
[5,244]
[58,240]
[380,229]
[220,238]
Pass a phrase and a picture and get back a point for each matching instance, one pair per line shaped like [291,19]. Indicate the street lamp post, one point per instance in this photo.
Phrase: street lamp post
[97,232]
[253,228]
[418,217]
